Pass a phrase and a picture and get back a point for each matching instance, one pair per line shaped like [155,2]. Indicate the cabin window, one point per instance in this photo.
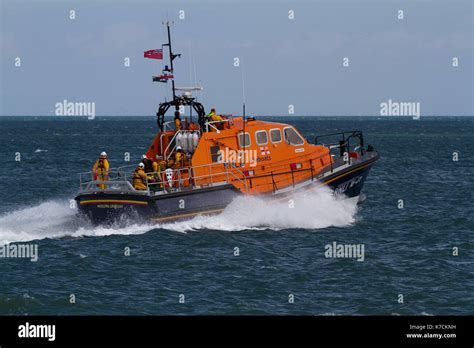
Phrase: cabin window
[275,135]
[244,140]
[292,137]
[261,137]
[215,154]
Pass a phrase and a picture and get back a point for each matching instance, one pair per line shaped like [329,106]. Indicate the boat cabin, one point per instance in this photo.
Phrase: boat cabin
[263,155]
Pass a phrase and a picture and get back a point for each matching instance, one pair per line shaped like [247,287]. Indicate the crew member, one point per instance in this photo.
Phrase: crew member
[100,169]
[148,164]
[152,169]
[213,117]
[177,120]
[161,167]
[139,178]
[170,163]
[162,164]
[179,157]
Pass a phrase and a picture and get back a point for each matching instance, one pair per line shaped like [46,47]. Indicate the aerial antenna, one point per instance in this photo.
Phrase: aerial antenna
[190,64]
[195,77]
[190,80]
[243,105]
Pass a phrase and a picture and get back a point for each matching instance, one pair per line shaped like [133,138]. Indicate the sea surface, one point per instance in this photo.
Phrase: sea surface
[193,267]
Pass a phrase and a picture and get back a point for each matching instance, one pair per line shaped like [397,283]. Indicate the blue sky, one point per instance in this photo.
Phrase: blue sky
[285,62]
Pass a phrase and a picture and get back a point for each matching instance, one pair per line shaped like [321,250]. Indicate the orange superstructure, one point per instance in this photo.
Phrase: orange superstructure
[269,154]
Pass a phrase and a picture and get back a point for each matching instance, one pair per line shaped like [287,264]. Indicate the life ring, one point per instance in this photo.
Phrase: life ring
[168,178]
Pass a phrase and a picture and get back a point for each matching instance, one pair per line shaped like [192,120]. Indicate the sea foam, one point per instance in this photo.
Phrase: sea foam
[315,208]
[312,209]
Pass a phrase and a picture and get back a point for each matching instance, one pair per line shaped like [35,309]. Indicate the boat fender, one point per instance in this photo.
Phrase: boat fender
[179,140]
[195,140]
[184,142]
[186,147]
[189,139]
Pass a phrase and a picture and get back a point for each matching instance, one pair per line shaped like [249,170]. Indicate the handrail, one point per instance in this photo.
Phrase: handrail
[127,166]
[354,132]
[211,123]
[169,144]
[344,144]
[121,175]
[294,173]
[228,170]
[166,124]
[109,186]
[178,179]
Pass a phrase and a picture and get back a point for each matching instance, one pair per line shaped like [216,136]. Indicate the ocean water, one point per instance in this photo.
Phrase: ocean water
[408,251]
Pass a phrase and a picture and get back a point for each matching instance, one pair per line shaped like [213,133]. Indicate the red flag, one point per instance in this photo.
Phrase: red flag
[153,54]
[162,78]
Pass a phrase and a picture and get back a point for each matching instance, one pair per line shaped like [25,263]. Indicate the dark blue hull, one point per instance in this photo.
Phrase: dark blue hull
[103,207]
[351,181]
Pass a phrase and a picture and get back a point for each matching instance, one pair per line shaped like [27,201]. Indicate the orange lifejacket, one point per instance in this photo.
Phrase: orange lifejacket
[177,124]
[100,171]
[139,179]
[178,159]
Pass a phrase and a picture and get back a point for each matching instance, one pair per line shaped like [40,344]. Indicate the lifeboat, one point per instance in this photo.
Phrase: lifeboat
[221,159]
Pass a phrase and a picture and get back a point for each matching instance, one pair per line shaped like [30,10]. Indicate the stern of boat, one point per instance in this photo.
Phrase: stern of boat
[111,200]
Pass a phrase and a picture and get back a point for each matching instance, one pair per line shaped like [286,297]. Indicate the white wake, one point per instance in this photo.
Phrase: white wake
[55,219]
[313,209]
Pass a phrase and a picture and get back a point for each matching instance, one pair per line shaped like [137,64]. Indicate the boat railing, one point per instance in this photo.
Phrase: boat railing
[181,179]
[344,145]
[170,180]
[127,169]
[115,179]
[167,126]
[212,124]
[279,174]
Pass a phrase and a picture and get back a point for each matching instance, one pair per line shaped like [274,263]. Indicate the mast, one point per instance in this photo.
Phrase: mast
[185,99]
[172,57]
